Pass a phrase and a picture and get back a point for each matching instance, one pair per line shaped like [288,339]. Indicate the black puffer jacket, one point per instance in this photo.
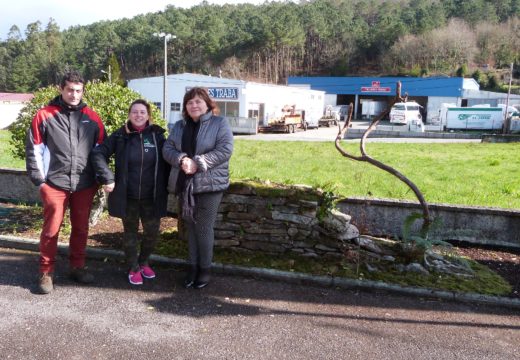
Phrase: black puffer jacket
[58,145]
[135,177]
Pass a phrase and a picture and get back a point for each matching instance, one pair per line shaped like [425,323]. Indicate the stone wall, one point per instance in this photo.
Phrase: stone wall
[279,220]
[15,186]
[472,224]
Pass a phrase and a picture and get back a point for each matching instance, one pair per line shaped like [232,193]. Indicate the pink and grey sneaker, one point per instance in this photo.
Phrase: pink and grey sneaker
[147,272]
[135,277]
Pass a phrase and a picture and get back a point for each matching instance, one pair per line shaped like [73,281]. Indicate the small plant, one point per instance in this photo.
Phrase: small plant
[325,204]
[414,246]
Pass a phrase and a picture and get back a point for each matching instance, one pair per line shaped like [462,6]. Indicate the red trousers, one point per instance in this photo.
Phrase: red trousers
[55,202]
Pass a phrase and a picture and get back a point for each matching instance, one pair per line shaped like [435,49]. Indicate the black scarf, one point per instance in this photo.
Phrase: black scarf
[185,182]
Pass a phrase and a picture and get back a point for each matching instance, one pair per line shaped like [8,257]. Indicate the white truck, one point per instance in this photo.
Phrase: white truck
[405,112]
[333,114]
[471,118]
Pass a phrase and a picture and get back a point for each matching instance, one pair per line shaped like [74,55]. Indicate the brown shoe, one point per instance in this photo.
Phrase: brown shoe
[81,275]
[45,285]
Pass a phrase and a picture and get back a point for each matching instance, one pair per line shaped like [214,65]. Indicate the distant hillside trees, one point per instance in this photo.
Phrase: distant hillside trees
[274,40]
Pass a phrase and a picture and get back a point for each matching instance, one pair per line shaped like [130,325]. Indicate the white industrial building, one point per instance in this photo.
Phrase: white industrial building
[236,99]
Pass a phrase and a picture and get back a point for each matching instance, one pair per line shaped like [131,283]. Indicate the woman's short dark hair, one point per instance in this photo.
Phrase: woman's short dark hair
[145,103]
[203,94]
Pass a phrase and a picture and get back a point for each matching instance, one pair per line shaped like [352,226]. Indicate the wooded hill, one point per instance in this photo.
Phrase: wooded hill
[272,41]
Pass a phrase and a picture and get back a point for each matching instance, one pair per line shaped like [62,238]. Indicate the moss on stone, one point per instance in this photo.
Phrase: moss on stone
[273,190]
[485,281]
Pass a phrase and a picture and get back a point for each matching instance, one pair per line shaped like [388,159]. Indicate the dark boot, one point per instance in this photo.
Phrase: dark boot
[191,276]
[81,275]
[202,278]
[45,285]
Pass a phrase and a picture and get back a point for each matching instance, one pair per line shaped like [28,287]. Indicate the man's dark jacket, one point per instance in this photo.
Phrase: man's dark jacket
[58,145]
[128,145]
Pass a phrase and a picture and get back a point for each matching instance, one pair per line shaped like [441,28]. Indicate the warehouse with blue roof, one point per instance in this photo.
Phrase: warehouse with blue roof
[430,93]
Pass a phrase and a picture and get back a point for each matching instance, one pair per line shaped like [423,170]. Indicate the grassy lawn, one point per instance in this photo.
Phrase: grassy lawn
[6,158]
[455,173]
[465,174]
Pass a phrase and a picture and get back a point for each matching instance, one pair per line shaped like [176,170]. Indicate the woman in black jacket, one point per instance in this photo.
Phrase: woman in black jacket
[138,189]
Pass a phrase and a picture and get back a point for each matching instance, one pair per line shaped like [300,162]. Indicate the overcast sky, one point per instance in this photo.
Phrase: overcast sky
[69,13]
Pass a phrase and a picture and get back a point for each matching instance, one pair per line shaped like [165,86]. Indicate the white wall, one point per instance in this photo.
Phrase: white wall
[493,98]
[9,112]
[331,99]
[275,97]
[435,104]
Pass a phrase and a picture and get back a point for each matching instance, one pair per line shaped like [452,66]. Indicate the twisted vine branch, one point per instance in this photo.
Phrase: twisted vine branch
[365,157]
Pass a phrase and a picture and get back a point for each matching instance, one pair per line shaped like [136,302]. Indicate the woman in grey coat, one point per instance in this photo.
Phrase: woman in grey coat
[199,148]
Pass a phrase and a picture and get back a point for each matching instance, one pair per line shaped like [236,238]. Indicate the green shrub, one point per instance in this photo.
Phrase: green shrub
[109,100]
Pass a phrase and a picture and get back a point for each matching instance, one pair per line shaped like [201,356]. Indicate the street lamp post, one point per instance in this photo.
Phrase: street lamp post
[166,38]
[109,73]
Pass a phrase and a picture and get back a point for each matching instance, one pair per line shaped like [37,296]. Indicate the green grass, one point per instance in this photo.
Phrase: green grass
[6,158]
[477,174]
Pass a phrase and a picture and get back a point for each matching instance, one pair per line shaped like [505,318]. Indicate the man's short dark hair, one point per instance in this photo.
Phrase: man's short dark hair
[72,76]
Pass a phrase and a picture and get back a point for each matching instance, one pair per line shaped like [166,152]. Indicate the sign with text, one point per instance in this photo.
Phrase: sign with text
[376,87]
[226,93]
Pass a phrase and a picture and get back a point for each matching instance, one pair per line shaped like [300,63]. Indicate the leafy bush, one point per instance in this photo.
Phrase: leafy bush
[109,100]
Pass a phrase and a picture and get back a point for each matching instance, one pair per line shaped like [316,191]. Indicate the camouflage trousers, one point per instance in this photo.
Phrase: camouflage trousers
[137,250]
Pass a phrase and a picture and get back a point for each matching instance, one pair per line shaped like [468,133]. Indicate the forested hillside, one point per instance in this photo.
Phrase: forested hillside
[272,41]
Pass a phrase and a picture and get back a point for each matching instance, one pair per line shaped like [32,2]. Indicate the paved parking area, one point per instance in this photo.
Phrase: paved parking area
[330,133]
[234,318]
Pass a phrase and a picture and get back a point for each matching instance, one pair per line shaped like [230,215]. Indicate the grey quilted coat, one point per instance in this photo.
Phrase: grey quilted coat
[212,154]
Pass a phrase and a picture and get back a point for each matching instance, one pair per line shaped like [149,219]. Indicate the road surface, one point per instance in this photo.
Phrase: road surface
[234,318]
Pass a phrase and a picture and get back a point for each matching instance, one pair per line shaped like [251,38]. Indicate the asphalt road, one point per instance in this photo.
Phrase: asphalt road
[234,318]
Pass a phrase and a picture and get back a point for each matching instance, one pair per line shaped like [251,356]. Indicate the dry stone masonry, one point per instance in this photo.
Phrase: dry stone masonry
[275,219]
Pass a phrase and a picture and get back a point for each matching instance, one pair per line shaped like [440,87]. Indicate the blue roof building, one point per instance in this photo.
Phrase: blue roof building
[431,92]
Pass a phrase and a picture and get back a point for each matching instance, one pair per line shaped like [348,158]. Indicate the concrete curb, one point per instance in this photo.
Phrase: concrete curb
[381,132]
[284,276]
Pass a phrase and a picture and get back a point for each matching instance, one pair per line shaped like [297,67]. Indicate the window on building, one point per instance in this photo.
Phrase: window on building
[228,108]
[175,106]
[232,109]
[158,104]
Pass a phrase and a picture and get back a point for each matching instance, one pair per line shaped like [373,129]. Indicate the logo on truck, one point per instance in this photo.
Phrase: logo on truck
[464,117]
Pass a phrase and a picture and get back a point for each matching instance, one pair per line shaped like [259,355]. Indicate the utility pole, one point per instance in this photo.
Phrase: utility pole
[165,91]
[506,118]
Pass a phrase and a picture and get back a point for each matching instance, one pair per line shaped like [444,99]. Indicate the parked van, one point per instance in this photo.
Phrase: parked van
[405,112]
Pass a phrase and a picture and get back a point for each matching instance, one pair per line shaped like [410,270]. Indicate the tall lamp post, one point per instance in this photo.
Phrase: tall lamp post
[507,123]
[109,73]
[166,38]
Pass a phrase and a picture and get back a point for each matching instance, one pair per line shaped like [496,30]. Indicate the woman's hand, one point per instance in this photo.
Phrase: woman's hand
[109,187]
[188,166]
